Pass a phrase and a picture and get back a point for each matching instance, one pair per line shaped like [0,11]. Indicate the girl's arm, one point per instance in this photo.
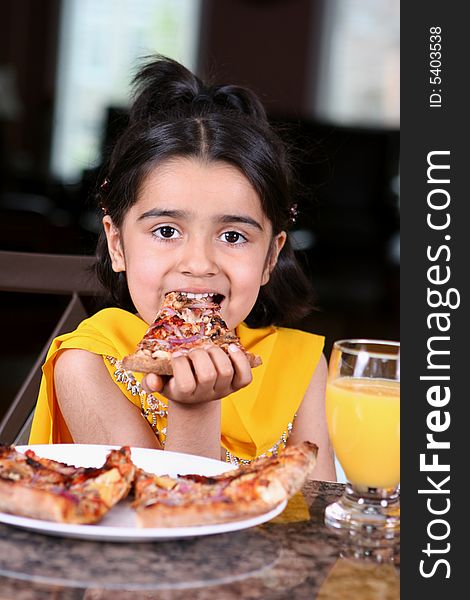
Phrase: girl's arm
[95,410]
[194,428]
[310,424]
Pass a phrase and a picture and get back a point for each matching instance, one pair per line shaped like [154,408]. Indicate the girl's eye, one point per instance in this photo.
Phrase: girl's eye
[165,232]
[233,237]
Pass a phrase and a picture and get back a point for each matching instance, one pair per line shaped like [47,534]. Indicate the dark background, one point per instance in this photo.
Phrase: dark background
[346,173]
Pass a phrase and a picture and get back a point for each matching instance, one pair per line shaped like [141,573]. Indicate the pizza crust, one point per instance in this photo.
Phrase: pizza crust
[31,502]
[193,514]
[142,363]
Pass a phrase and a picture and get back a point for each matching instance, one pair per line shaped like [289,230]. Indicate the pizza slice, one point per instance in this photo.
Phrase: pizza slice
[185,321]
[254,489]
[40,488]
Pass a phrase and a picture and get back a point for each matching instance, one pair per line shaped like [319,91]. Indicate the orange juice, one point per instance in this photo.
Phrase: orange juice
[364,424]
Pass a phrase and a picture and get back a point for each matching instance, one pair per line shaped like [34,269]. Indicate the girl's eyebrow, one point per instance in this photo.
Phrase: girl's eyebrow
[181,214]
[240,219]
[163,212]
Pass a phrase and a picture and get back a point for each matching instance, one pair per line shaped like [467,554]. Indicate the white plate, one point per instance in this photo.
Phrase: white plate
[119,524]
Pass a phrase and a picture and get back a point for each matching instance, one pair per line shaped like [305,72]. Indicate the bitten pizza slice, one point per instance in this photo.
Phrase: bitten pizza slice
[184,322]
[40,488]
[189,500]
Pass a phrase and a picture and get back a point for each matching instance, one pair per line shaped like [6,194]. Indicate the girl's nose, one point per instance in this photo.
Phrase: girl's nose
[198,259]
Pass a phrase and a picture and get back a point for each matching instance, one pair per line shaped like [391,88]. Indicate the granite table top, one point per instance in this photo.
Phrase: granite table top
[294,557]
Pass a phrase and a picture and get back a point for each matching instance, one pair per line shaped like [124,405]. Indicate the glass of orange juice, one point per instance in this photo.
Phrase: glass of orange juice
[363,414]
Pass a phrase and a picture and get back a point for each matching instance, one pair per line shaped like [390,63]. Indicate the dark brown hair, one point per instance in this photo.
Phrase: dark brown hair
[175,114]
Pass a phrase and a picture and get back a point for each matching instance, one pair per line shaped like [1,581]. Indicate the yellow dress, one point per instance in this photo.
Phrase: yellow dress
[256,420]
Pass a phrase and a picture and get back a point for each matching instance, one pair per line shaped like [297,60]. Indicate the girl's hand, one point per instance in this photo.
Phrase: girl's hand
[202,375]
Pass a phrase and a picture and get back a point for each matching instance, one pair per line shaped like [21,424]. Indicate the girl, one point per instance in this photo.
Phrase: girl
[196,198]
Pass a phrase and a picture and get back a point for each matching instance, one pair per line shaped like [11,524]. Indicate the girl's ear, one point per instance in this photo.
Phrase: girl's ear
[276,246]
[115,249]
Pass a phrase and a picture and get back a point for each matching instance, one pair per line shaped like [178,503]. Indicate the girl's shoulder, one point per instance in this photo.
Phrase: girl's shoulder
[298,335]
[282,343]
[113,319]
[287,335]
[111,331]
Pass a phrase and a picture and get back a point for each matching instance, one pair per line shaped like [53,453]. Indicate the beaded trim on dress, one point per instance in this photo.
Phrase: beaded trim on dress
[155,407]
[158,409]
[281,443]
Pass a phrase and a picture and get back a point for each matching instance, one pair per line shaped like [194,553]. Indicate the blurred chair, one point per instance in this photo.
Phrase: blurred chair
[43,274]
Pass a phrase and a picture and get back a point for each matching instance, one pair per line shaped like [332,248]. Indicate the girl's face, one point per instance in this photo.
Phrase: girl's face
[196,227]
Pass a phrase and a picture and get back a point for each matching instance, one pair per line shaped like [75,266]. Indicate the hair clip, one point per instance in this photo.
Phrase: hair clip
[294,213]
[105,185]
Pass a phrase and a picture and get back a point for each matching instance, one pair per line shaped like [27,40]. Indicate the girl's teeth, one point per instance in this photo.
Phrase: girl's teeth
[196,296]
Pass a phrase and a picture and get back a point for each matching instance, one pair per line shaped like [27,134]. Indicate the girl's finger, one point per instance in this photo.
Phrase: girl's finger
[225,371]
[183,383]
[204,370]
[152,383]
[241,365]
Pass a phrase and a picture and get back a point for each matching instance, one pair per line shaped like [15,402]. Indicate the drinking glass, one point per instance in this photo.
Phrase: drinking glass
[363,413]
